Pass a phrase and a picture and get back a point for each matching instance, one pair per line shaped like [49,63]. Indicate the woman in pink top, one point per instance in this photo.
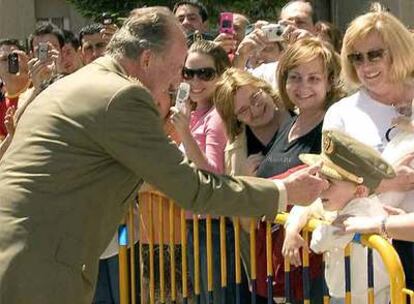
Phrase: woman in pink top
[199,125]
[203,140]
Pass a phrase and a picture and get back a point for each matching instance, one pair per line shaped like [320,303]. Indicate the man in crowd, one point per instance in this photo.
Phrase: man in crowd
[46,43]
[94,39]
[300,14]
[74,167]
[192,14]
[70,60]
[92,42]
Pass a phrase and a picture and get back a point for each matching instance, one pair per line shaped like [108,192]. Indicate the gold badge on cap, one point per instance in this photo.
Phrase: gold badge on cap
[328,145]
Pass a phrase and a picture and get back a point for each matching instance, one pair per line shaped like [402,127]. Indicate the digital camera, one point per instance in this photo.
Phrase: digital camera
[274,31]
[42,51]
[13,63]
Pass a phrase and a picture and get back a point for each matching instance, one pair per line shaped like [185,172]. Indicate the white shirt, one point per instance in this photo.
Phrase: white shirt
[361,117]
[325,239]
[267,72]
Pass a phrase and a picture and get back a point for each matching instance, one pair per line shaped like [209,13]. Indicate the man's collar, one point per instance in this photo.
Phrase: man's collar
[111,64]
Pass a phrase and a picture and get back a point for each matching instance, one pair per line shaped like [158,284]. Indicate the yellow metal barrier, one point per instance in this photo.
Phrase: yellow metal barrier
[398,292]
[389,257]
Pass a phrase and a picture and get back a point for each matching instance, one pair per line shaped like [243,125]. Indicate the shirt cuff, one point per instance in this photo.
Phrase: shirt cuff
[282,203]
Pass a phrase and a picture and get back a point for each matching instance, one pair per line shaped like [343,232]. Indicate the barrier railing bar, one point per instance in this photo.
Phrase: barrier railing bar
[236,222]
[269,267]
[253,258]
[161,249]
[196,259]
[131,230]
[172,252]
[151,251]
[184,267]
[223,258]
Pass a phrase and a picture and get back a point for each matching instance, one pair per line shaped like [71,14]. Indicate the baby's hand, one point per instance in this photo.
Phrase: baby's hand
[291,245]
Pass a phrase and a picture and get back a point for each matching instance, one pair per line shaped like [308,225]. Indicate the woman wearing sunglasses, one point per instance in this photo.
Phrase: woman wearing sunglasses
[203,139]
[377,60]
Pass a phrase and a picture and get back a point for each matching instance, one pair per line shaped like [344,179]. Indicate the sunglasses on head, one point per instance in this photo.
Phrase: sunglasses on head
[371,56]
[205,74]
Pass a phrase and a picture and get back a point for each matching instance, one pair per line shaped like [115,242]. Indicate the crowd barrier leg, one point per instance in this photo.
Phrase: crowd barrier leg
[223,259]
[305,269]
[196,242]
[131,235]
[269,267]
[123,263]
[161,250]
[325,287]
[141,257]
[253,258]
[370,271]
[236,222]
[287,281]
[151,252]
[184,267]
[209,247]
[172,253]
[347,258]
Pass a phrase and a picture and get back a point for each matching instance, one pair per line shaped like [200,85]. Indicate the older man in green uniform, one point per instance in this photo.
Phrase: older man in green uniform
[83,148]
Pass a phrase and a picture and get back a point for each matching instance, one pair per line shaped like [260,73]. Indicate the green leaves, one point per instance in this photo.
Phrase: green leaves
[254,9]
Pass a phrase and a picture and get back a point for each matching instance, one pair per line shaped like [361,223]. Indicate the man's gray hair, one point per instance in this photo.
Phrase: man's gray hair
[146,28]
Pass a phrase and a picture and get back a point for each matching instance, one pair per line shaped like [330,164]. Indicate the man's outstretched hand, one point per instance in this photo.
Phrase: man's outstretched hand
[305,185]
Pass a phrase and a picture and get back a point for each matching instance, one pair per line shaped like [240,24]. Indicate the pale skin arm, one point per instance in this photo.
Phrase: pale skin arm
[404,180]
[293,241]
[399,227]
[181,123]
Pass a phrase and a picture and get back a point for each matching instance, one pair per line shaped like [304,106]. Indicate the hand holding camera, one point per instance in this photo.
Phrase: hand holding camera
[226,37]
[43,66]
[109,26]
[14,71]
[180,113]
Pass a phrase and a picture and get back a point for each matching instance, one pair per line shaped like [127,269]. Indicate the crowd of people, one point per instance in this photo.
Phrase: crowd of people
[305,121]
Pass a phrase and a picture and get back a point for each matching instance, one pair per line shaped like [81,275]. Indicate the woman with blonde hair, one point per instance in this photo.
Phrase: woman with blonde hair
[378,62]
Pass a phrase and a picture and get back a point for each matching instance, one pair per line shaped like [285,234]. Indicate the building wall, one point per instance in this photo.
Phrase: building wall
[13,25]
[343,12]
[17,18]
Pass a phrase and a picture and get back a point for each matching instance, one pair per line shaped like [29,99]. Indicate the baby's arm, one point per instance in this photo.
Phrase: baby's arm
[297,219]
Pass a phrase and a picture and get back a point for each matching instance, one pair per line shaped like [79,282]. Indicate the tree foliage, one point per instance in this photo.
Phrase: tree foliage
[254,9]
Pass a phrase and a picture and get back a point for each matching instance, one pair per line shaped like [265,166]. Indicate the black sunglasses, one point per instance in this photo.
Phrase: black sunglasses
[205,74]
[371,56]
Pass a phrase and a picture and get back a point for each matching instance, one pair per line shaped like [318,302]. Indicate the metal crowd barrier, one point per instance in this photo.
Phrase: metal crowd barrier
[176,218]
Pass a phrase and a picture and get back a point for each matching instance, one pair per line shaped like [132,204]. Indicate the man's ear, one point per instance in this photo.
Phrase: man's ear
[361,191]
[145,59]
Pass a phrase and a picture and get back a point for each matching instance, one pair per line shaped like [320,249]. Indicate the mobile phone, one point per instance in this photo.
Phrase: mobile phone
[226,23]
[182,96]
[13,62]
[274,31]
[42,51]
[106,19]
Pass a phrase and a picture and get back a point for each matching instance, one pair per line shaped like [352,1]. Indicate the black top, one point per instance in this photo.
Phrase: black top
[254,145]
[284,155]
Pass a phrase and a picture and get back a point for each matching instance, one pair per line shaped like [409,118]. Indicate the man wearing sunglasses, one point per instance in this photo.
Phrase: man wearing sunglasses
[81,152]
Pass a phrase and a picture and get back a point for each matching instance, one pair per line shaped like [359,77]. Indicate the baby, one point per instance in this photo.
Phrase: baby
[353,170]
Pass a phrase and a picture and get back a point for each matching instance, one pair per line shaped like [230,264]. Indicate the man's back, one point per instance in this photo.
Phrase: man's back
[54,183]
